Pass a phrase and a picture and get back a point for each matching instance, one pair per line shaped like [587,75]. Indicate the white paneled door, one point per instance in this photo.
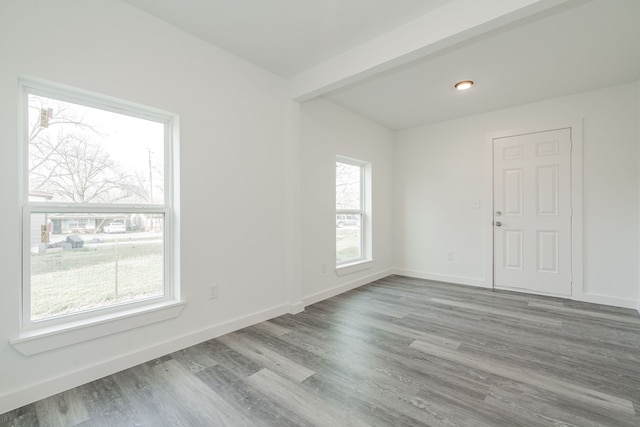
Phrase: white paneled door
[532,212]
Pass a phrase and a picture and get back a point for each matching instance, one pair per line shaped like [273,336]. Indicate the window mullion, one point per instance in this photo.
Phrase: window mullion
[349,211]
[66,208]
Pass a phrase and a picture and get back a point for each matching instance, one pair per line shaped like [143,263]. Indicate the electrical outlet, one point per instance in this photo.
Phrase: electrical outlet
[213,291]
[323,267]
[449,256]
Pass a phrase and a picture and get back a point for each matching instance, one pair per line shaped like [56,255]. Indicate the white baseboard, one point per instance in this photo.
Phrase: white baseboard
[459,280]
[470,281]
[317,297]
[29,394]
[296,308]
[607,300]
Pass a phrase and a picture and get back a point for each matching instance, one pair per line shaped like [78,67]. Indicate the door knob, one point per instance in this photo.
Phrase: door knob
[498,213]
[498,224]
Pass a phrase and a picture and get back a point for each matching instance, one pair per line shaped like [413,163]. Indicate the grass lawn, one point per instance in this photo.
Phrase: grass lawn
[347,243]
[64,282]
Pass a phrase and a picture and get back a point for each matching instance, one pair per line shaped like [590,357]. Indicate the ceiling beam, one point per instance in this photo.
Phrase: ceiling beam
[454,22]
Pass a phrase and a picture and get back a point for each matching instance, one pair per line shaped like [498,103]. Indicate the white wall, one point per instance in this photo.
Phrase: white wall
[328,130]
[441,171]
[231,136]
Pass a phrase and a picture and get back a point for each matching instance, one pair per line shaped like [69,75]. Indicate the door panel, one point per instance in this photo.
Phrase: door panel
[547,252]
[532,207]
[513,249]
[513,192]
[547,190]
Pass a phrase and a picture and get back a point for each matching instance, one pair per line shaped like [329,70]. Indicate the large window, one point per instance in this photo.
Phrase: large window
[350,210]
[97,205]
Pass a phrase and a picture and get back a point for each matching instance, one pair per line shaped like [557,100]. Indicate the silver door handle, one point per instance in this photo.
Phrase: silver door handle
[498,224]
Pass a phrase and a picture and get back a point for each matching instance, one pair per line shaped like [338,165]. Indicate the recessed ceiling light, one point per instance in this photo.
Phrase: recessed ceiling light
[464,85]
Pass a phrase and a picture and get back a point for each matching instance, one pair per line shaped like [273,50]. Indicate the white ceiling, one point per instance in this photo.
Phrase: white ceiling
[287,36]
[587,47]
[576,47]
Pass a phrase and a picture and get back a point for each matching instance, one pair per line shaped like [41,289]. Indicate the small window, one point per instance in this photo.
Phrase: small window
[97,210]
[350,211]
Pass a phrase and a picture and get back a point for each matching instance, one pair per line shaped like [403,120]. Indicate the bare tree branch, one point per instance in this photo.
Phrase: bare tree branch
[71,162]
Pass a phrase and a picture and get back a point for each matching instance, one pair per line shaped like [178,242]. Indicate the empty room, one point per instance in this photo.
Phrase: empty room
[320,213]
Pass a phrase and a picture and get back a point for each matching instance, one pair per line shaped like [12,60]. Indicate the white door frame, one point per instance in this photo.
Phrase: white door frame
[577,279]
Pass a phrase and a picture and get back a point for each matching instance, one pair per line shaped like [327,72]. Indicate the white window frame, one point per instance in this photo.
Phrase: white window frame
[364,261]
[42,335]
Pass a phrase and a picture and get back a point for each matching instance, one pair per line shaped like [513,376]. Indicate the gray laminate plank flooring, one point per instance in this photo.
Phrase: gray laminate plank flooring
[397,352]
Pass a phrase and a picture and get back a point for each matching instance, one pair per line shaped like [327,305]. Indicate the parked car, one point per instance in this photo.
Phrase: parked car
[342,220]
[115,227]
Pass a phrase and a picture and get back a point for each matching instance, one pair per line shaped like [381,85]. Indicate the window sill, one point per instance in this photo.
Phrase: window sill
[354,267]
[40,340]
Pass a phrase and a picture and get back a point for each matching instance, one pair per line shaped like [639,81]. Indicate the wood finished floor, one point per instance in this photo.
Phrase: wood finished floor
[397,352]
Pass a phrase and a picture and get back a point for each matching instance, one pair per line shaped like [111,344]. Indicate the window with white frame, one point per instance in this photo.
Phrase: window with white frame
[97,205]
[350,211]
